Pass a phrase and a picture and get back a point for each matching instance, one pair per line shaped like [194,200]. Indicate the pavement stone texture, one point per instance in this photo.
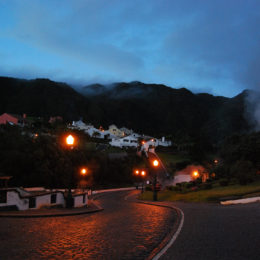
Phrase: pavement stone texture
[124,230]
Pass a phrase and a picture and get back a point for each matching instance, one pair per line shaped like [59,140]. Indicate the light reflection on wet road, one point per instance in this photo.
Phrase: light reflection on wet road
[124,230]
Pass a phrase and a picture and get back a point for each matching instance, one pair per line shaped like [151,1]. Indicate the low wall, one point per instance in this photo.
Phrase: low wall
[79,200]
[112,190]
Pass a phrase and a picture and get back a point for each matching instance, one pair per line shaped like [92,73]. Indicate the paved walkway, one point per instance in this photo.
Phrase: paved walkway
[123,230]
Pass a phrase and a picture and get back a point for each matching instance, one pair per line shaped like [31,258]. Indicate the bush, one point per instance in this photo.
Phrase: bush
[206,186]
[223,182]
[148,188]
[190,184]
[171,188]
[195,188]
[244,171]
[198,181]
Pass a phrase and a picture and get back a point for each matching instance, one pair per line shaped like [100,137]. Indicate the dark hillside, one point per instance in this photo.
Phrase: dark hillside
[147,108]
[40,97]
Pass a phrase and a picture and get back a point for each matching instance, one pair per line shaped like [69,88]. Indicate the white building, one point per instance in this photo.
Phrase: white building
[128,141]
[126,131]
[120,137]
[91,130]
[20,199]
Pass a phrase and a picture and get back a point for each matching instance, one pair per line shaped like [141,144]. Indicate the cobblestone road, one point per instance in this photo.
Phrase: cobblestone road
[124,230]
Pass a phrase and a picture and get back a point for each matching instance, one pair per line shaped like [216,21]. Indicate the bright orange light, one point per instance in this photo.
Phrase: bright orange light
[143,173]
[70,140]
[155,163]
[143,142]
[136,172]
[215,161]
[195,174]
[83,171]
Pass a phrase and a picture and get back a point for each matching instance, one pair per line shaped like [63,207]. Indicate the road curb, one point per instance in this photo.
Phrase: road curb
[170,238]
[61,214]
[241,201]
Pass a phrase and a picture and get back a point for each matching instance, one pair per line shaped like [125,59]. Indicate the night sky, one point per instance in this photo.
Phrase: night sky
[206,46]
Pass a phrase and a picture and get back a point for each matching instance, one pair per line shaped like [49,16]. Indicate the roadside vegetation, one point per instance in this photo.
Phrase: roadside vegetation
[43,160]
[215,194]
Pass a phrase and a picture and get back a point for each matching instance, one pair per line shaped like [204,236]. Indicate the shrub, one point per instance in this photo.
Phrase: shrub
[244,171]
[223,182]
[148,188]
[190,184]
[206,186]
[194,188]
[198,181]
[171,188]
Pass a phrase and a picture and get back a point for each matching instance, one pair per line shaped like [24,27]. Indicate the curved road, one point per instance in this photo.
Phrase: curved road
[124,230]
[213,231]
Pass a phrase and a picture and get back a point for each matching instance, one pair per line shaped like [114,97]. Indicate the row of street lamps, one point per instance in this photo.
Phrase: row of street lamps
[142,174]
[70,142]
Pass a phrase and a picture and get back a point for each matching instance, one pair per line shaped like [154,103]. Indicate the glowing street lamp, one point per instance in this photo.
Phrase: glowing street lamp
[143,173]
[155,164]
[83,171]
[70,140]
[195,174]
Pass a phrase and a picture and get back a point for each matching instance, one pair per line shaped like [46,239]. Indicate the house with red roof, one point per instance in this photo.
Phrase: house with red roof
[12,119]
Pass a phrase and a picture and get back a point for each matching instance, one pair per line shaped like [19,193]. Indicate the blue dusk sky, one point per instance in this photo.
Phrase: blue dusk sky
[204,45]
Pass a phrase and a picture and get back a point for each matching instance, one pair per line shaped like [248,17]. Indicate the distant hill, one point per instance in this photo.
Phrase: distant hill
[40,97]
[147,108]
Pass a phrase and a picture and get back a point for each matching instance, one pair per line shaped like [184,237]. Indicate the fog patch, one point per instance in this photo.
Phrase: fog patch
[253,109]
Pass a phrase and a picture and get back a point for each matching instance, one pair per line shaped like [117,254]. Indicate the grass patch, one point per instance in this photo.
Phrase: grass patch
[168,158]
[215,194]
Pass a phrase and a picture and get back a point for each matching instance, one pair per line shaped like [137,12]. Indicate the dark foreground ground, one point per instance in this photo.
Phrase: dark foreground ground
[216,232]
[124,230]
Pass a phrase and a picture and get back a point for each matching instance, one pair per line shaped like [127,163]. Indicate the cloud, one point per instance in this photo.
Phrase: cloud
[219,40]
[75,35]
[199,44]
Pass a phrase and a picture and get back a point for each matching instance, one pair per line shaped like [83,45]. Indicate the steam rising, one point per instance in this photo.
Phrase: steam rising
[253,109]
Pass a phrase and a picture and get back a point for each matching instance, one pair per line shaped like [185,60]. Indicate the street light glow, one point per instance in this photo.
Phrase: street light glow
[70,140]
[195,174]
[136,172]
[155,163]
[83,171]
[143,173]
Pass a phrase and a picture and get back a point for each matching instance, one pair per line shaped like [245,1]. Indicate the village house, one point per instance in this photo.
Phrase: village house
[12,119]
[122,137]
[25,199]
[191,173]
[92,131]
[126,131]
[128,141]
[115,131]
[54,119]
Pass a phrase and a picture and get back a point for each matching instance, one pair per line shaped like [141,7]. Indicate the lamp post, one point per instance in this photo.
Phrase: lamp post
[70,142]
[136,172]
[83,173]
[155,164]
[143,173]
